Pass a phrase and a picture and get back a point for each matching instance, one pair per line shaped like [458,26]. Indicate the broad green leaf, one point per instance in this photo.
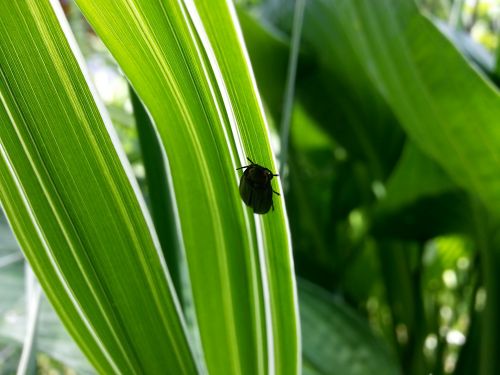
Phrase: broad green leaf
[415,176]
[397,48]
[332,87]
[74,206]
[337,340]
[309,196]
[425,218]
[474,51]
[175,62]
[421,201]
[446,107]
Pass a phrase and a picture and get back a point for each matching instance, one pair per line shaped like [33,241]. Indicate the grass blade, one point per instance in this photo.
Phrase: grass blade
[167,50]
[74,206]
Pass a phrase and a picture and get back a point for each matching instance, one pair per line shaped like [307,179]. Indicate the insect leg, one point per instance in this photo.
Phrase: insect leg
[250,160]
[275,192]
[246,166]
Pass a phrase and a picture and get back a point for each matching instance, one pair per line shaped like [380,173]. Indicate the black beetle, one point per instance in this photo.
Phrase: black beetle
[255,187]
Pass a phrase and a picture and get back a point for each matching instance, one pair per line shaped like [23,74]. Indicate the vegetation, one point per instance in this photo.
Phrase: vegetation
[389,135]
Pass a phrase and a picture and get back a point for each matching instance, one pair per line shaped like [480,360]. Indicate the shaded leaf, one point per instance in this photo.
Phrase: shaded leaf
[337,340]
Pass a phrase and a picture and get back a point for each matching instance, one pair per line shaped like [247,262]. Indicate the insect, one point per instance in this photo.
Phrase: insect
[255,187]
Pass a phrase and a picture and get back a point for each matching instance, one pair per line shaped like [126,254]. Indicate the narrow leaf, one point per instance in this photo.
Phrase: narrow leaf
[230,60]
[74,206]
[164,50]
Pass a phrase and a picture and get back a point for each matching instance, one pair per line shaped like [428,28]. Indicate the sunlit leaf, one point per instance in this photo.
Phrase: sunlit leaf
[74,206]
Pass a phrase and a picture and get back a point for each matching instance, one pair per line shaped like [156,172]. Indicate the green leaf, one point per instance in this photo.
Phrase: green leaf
[194,79]
[337,340]
[332,87]
[161,202]
[269,51]
[232,60]
[395,47]
[74,206]
[52,338]
[415,176]
[474,51]
[421,201]
[398,48]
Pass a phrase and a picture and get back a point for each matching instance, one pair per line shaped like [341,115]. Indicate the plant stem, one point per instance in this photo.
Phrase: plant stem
[489,256]
[298,20]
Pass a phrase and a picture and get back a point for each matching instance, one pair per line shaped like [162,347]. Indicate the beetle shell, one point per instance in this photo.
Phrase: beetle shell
[256,189]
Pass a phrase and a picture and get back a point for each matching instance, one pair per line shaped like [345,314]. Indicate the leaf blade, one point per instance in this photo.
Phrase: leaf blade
[247,109]
[168,67]
[66,192]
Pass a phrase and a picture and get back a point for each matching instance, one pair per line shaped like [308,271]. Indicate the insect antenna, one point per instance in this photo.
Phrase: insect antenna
[246,166]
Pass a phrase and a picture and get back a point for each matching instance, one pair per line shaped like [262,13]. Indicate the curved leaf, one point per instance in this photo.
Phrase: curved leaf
[75,209]
[168,56]
[397,48]
[337,340]
[230,60]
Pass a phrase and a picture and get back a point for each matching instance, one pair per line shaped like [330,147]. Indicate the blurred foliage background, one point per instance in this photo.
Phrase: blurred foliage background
[396,258]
